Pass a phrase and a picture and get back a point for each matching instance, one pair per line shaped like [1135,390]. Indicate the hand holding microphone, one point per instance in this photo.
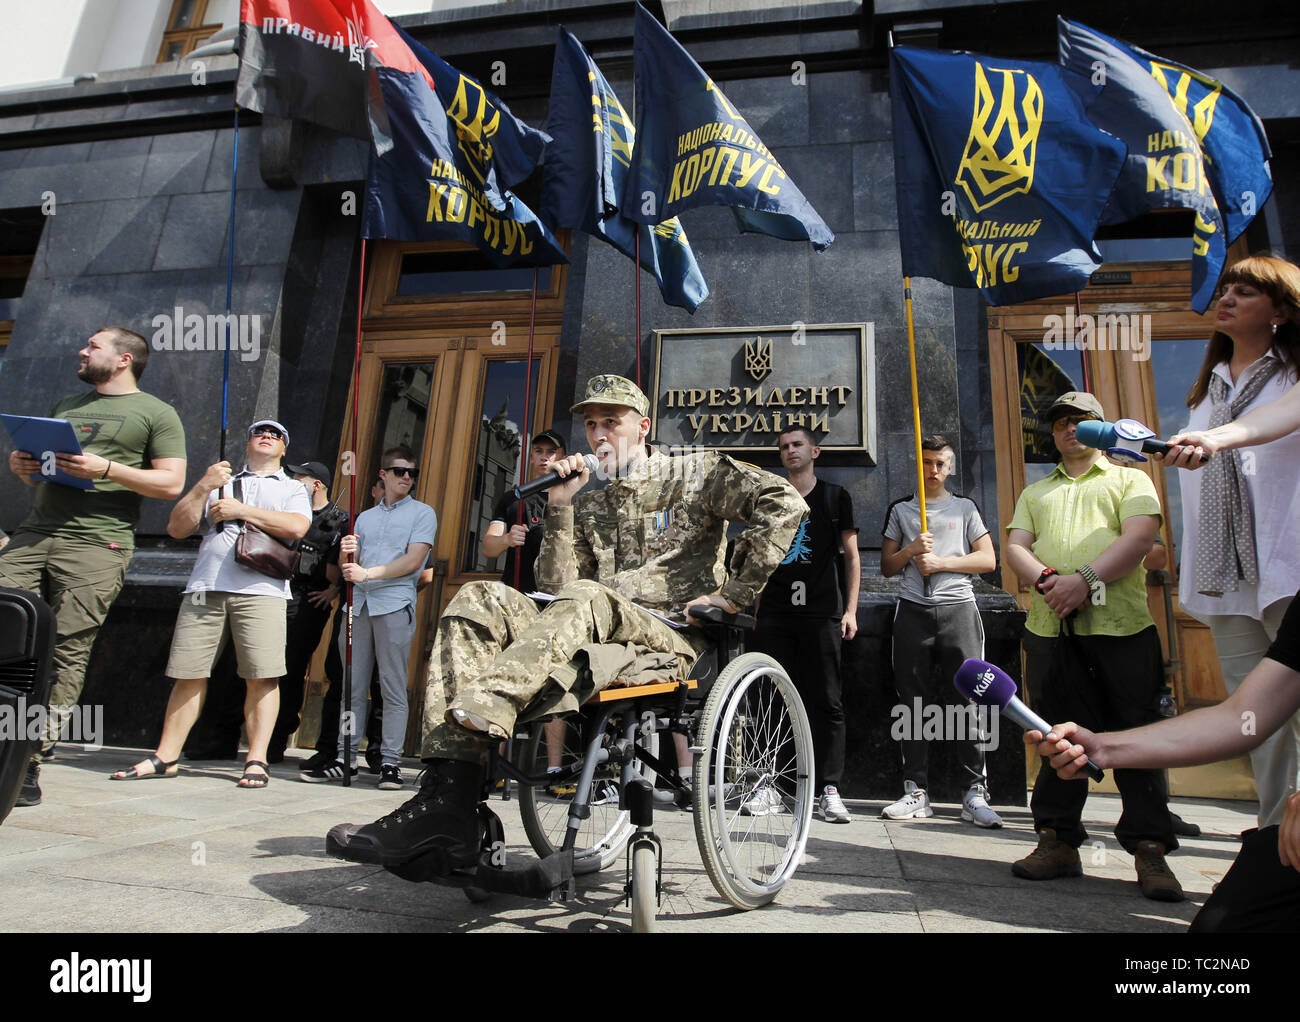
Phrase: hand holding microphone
[576,468]
[1067,748]
[1124,440]
[986,685]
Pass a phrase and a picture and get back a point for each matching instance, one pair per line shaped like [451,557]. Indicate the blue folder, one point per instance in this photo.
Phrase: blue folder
[42,437]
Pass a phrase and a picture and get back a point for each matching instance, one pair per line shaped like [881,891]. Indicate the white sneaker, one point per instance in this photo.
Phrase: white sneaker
[914,805]
[830,807]
[975,809]
[764,801]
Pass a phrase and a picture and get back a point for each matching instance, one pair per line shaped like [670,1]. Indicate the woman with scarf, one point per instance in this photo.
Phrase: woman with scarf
[1240,563]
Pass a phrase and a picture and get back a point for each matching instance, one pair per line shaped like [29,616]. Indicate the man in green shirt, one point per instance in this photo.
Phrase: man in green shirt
[74,546]
[1091,648]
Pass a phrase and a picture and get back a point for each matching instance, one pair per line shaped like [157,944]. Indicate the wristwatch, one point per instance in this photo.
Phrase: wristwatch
[1047,573]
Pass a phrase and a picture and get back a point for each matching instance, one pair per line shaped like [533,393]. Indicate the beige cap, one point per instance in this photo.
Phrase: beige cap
[614,390]
[1074,401]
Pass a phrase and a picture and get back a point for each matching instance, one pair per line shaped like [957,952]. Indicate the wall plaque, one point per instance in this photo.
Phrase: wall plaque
[736,388]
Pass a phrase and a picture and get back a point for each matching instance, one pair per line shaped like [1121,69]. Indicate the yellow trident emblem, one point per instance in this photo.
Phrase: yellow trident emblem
[758,358]
[477,121]
[1201,114]
[998,160]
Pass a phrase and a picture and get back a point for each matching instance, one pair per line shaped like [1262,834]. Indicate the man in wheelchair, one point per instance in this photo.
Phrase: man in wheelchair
[655,536]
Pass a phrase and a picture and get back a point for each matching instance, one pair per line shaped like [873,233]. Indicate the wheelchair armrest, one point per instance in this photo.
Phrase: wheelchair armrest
[718,616]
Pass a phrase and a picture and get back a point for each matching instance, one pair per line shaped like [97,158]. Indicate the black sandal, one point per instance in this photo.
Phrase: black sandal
[254,780]
[133,773]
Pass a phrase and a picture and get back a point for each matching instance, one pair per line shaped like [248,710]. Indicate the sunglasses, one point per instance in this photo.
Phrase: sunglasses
[274,434]
[1061,425]
[402,470]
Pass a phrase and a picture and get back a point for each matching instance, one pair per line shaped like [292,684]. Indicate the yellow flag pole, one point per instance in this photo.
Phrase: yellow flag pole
[916,411]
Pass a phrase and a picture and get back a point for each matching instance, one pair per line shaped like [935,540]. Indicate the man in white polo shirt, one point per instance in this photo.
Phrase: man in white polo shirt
[383,562]
[223,596]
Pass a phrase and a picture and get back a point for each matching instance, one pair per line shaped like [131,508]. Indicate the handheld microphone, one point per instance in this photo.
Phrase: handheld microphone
[551,478]
[987,685]
[1122,440]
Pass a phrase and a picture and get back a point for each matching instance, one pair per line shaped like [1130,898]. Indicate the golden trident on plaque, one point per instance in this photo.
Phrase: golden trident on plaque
[758,358]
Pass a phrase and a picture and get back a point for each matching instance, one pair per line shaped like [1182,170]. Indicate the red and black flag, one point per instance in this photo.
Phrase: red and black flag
[307,59]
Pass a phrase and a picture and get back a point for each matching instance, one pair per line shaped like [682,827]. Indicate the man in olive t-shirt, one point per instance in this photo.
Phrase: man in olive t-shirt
[74,546]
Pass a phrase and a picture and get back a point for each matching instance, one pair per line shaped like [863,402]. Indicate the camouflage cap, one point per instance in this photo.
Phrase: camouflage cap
[614,390]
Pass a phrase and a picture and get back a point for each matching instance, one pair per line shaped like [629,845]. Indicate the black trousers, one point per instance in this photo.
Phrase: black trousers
[809,649]
[304,626]
[1258,894]
[929,644]
[1105,683]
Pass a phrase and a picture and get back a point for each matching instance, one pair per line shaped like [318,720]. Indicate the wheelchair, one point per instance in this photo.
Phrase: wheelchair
[749,790]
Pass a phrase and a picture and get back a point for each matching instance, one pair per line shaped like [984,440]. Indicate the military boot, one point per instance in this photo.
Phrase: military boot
[440,822]
[1155,877]
[1051,859]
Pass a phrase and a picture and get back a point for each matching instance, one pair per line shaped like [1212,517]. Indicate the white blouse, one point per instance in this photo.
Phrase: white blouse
[1272,474]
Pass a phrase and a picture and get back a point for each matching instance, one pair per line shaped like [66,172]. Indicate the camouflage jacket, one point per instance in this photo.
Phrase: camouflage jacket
[658,535]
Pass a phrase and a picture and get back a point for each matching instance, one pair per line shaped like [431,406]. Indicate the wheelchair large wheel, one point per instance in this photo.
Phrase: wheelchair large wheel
[604,834]
[752,783]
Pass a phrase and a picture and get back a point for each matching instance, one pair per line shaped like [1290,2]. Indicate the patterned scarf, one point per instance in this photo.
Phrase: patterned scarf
[1225,550]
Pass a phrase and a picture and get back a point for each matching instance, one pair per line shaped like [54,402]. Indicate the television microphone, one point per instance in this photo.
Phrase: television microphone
[987,685]
[1123,440]
[551,478]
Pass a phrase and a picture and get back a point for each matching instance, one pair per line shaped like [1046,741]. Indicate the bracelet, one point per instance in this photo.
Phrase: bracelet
[1089,576]
[1047,573]
[107,466]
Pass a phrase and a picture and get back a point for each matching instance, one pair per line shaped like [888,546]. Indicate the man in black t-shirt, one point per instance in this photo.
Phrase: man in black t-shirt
[507,534]
[803,614]
[1261,892]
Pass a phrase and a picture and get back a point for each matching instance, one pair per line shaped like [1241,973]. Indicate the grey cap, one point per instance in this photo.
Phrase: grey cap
[614,390]
[270,422]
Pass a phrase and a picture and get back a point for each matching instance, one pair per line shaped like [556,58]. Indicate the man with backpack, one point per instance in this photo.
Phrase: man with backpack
[805,612]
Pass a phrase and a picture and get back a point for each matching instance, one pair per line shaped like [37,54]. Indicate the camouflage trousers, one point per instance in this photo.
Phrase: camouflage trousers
[497,656]
[79,580]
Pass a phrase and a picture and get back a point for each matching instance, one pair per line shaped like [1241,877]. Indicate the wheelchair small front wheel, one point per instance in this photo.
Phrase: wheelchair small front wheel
[545,814]
[645,878]
[753,782]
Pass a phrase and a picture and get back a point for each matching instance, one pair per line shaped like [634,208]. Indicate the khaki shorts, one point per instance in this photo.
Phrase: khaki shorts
[257,624]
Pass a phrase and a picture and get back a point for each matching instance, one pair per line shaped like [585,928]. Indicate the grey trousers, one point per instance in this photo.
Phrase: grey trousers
[384,639]
[1241,643]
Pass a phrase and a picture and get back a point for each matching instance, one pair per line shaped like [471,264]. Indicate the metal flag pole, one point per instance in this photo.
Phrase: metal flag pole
[527,424]
[1083,355]
[916,413]
[636,259]
[352,528]
[230,276]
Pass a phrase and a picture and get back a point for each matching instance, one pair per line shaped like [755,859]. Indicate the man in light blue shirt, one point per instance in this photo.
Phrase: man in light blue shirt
[388,551]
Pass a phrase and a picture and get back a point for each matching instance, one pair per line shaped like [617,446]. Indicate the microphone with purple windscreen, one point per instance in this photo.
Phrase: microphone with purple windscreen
[986,685]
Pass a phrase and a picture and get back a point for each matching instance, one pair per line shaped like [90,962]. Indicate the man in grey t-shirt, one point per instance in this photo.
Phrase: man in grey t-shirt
[936,628]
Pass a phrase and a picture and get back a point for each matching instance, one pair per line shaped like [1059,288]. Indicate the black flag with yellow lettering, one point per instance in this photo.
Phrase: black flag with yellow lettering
[429,184]
[1191,143]
[1000,175]
[693,148]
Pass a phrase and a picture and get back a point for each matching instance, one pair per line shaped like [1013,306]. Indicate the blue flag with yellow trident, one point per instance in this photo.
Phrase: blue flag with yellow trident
[1191,143]
[1001,178]
[587,161]
[427,186]
[695,149]
[494,141]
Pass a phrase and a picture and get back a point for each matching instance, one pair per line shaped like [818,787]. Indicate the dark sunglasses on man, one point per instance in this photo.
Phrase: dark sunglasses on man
[402,470]
[274,434]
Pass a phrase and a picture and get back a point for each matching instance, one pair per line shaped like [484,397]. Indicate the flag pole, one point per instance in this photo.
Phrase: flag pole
[352,525]
[1083,355]
[524,453]
[636,258]
[230,276]
[916,412]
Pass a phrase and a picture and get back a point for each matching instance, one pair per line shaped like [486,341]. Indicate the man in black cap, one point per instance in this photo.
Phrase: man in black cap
[506,534]
[314,586]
